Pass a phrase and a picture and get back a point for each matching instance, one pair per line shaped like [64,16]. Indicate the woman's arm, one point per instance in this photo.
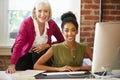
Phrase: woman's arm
[89,53]
[39,65]
[56,32]
[19,43]
[82,68]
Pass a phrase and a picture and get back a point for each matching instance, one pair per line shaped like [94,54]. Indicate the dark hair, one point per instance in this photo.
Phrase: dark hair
[69,17]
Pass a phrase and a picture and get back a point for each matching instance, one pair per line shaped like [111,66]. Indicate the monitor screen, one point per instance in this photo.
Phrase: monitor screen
[106,51]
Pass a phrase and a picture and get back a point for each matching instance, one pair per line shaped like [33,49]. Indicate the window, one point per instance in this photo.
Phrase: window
[16,14]
[14,11]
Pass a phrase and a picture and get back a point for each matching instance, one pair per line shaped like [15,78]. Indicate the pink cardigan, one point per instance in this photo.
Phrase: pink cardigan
[26,37]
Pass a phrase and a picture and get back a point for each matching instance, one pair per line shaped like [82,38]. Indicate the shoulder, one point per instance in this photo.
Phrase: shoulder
[58,45]
[27,24]
[52,23]
[81,45]
[28,20]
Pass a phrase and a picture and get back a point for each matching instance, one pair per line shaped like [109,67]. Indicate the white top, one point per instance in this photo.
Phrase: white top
[40,39]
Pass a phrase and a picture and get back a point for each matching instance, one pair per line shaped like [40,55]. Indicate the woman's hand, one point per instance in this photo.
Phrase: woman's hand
[40,47]
[66,68]
[70,68]
[11,69]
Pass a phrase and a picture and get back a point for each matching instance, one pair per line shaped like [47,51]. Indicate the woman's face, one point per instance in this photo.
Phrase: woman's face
[69,32]
[42,12]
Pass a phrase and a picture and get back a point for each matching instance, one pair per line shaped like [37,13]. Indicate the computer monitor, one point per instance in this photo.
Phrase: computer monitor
[106,51]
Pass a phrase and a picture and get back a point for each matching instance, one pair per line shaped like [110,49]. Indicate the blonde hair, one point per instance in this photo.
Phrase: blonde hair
[39,2]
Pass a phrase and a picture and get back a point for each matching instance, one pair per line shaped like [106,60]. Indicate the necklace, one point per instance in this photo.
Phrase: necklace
[72,48]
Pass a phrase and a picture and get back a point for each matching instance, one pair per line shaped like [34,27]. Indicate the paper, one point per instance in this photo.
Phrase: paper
[28,72]
[87,62]
[20,75]
[60,73]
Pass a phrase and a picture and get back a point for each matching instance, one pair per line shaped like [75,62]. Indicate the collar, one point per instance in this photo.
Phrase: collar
[36,24]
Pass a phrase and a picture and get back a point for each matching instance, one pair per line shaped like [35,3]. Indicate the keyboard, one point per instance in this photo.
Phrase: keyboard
[62,73]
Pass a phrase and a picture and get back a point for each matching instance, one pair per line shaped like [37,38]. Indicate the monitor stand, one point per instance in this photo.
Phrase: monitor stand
[107,74]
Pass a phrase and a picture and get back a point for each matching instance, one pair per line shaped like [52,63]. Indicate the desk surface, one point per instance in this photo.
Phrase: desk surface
[23,75]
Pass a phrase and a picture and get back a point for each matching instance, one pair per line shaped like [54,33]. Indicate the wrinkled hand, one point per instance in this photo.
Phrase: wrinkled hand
[39,47]
[11,69]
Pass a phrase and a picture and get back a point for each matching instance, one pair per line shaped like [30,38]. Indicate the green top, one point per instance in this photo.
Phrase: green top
[62,56]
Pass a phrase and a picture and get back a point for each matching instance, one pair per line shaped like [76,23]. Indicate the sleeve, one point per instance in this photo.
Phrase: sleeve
[57,34]
[19,43]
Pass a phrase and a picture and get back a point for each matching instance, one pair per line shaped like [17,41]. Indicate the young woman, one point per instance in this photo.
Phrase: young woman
[34,37]
[68,55]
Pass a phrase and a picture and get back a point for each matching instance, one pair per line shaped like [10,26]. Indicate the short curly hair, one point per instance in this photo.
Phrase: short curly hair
[39,2]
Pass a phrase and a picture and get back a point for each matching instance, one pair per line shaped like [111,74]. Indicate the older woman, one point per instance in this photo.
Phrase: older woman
[34,36]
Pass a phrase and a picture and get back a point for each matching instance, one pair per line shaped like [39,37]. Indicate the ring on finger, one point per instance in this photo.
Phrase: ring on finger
[38,51]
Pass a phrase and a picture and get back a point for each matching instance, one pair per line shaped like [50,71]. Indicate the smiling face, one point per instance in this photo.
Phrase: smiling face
[69,31]
[42,12]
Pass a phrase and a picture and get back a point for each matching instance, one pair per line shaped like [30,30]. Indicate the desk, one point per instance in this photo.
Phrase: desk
[20,75]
